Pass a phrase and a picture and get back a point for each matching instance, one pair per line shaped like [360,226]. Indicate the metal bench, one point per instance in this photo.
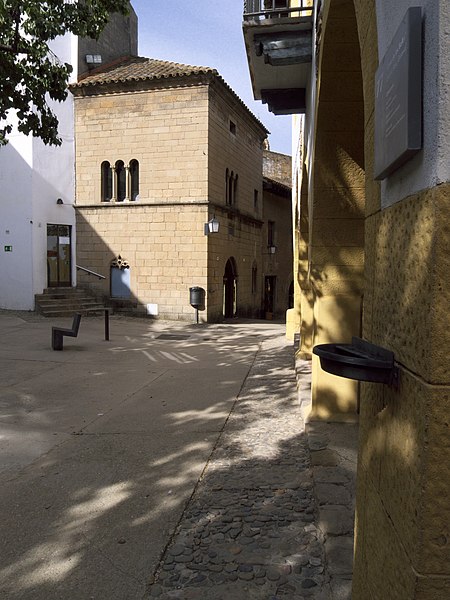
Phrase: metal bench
[58,332]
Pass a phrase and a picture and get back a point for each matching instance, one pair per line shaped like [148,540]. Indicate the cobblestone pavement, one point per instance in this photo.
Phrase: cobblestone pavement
[252,529]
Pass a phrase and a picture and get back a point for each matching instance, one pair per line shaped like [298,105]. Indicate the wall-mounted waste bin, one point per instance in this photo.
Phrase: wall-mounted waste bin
[197,298]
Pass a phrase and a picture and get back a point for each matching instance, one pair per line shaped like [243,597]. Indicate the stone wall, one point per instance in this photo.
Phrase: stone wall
[166,130]
[119,38]
[164,247]
[182,139]
[278,167]
[235,144]
[278,209]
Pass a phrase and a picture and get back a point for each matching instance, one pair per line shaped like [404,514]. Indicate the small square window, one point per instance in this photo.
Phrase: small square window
[233,127]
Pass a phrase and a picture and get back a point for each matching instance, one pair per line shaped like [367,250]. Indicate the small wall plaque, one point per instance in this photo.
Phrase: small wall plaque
[398,97]
[8,248]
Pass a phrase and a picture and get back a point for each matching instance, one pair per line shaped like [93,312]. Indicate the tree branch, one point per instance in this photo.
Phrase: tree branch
[14,50]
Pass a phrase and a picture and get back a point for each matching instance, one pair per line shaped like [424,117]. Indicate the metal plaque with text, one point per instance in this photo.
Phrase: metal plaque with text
[398,97]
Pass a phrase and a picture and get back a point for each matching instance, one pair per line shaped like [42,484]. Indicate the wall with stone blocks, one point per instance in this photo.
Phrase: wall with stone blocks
[238,149]
[239,152]
[118,39]
[240,239]
[166,130]
[181,137]
[278,209]
[164,246]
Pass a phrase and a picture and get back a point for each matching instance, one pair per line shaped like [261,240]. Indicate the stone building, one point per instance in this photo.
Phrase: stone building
[278,287]
[368,81]
[161,149]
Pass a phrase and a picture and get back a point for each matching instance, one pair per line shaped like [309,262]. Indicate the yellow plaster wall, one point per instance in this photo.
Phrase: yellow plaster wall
[402,494]
[409,313]
[299,318]
[402,266]
[404,457]
[402,516]
[337,207]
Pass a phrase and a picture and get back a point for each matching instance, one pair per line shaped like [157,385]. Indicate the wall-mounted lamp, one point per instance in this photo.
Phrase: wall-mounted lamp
[59,201]
[212,226]
[272,249]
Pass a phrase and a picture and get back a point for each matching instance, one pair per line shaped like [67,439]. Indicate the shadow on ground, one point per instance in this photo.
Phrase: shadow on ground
[116,452]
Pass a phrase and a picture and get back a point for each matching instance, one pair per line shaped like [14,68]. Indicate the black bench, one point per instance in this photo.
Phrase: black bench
[58,332]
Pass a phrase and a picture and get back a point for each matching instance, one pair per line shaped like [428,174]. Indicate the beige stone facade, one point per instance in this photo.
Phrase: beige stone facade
[199,155]
[277,235]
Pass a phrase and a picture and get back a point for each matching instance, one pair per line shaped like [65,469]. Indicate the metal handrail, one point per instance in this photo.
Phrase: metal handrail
[272,8]
[89,272]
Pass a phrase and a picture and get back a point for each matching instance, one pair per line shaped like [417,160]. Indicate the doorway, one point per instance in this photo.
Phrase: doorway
[269,295]
[230,289]
[59,256]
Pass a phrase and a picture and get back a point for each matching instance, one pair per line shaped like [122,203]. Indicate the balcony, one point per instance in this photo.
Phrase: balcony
[278,41]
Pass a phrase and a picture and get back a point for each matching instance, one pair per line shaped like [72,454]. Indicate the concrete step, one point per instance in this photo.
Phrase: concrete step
[62,302]
[63,312]
[62,291]
[66,301]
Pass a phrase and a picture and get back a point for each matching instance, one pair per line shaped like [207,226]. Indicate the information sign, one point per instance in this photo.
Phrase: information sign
[398,97]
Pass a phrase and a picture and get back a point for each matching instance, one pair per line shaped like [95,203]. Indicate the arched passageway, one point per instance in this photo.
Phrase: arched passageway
[337,204]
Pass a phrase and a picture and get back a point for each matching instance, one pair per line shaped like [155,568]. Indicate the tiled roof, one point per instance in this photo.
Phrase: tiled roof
[137,68]
[277,186]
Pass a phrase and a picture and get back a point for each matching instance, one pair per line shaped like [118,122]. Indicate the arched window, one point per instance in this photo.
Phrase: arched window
[134,179]
[106,181]
[227,184]
[254,277]
[230,189]
[121,181]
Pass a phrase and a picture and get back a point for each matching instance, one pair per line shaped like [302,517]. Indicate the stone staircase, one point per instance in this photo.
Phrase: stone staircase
[66,301]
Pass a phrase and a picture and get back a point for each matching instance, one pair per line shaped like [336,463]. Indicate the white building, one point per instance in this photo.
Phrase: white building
[37,183]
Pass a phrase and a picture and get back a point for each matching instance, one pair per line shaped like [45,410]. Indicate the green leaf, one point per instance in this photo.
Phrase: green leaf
[28,74]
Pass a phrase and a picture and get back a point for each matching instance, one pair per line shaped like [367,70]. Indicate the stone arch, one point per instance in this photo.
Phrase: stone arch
[230,289]
[337,202]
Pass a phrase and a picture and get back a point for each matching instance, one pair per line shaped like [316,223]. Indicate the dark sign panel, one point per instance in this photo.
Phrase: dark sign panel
[398,97]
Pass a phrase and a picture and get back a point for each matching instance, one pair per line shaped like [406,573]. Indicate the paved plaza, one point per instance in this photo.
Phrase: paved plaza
[169,462]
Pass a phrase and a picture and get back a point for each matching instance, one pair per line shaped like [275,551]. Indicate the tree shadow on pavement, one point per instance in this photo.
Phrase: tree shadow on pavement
[99,512]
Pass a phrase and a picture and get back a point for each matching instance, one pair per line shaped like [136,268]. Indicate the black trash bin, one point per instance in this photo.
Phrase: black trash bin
[197,298]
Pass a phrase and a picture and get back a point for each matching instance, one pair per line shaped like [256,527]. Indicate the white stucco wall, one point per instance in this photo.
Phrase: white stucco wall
[16,274]
[54,173]
[33,176]
[431,165]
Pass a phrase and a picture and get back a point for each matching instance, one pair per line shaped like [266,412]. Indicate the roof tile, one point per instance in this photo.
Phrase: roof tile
[136,68]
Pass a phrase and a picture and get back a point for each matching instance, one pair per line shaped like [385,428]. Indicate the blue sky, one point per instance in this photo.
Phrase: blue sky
[207,33]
